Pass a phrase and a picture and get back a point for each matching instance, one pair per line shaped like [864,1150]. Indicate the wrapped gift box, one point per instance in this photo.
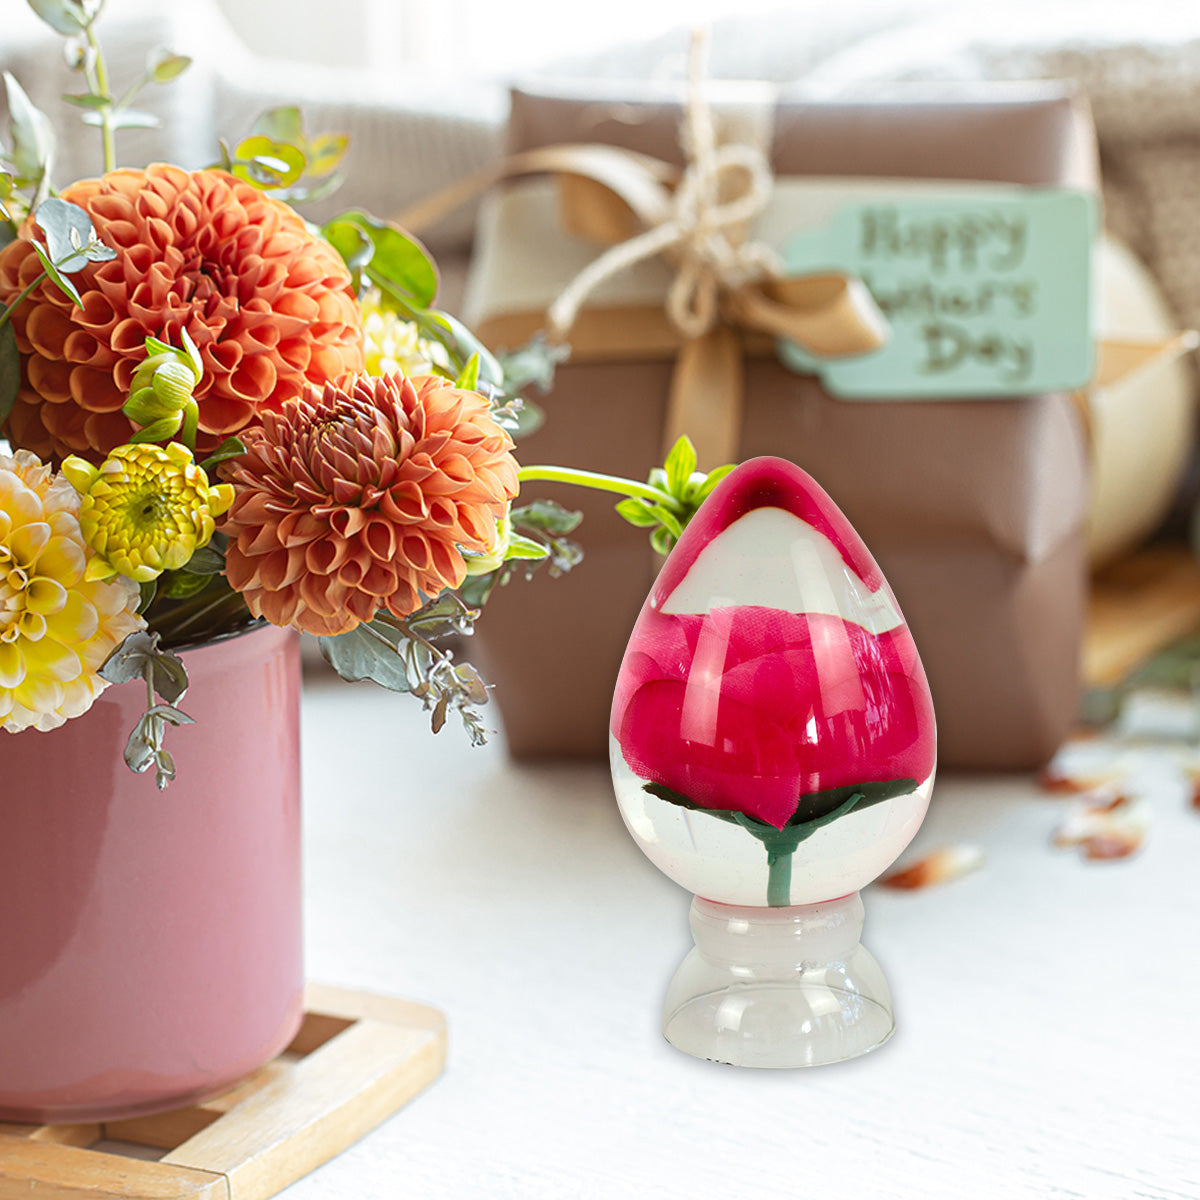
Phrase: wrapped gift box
[974,508]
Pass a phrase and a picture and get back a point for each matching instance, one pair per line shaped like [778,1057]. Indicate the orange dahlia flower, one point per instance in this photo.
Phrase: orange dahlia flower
[268,304]
[362,496]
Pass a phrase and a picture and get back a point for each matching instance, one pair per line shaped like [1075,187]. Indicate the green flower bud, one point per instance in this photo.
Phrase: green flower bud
[173,385]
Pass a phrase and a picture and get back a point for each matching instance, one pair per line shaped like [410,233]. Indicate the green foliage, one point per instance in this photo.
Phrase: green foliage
[68,17]
[74,19]
[539,536]
[10,371]
[181,584]
[115,117]
[403,656]
[163,66]
[71,242]
[60,281]
[681,490]
[385,255]
[532,365]
[231,447]
[468,377]
[367,652]
[140,656]
[268,164]
[279,157]
[33,141]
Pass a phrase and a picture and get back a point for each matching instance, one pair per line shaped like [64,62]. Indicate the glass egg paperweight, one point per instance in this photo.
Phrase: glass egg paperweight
[772,744]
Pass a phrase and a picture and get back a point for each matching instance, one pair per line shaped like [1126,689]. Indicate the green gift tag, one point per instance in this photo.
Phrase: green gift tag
[987,293]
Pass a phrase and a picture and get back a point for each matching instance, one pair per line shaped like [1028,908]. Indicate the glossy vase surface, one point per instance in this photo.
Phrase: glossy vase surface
[151,942]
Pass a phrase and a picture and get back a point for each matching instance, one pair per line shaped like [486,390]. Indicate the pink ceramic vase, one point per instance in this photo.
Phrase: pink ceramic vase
[150,943]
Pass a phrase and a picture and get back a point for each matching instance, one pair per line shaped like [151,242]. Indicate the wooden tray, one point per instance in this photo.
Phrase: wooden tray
[357,1059]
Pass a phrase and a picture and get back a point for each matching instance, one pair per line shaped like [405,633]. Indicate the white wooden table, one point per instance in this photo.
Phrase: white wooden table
[1048,1008]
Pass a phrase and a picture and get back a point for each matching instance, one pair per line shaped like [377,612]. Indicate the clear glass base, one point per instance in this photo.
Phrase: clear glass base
[778,987]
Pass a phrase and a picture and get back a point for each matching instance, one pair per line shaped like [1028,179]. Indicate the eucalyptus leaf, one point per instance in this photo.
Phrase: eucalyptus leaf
[282,124]
[269,163]
[325,154]
[67,17]
[547,515]
[32,135]
[311,193]
[523,547]
[168,712]
[125,118]
[139,752]
[360,654]
[164,769]
[518,416]
[128,660]
[169,676]
[89,100]
[472,683]
[163,66]
[533,364]
[71,240]
[10,371]
[443,615]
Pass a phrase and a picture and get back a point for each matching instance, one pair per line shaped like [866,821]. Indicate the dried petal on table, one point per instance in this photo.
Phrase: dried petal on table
[1189,765]
[1057,779]
[939,866]
[1106,828]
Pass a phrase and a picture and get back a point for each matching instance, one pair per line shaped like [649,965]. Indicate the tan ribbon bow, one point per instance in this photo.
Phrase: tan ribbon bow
[723,284]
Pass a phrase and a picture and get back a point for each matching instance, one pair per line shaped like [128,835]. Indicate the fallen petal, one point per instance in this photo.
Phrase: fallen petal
[939,866]
[1107,828]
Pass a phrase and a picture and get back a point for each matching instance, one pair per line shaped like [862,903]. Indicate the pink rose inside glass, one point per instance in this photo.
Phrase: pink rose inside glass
[770,660]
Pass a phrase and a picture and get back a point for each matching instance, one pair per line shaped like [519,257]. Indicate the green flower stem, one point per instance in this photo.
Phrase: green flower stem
[779,878]
[781,844]
[8,312]
[98,82]
[191,423]
[604,483]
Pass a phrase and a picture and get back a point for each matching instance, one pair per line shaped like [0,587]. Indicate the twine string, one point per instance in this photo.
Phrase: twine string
[702,234]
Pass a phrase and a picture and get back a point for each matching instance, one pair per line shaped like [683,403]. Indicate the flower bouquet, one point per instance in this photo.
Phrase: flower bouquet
[224,423]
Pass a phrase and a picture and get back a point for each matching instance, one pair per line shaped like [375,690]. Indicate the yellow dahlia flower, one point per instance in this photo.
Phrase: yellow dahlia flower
[57,625]
[391,343]
[146,509]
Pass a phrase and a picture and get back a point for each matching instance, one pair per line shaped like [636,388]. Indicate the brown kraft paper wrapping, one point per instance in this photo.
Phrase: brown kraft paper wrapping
[974,509]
